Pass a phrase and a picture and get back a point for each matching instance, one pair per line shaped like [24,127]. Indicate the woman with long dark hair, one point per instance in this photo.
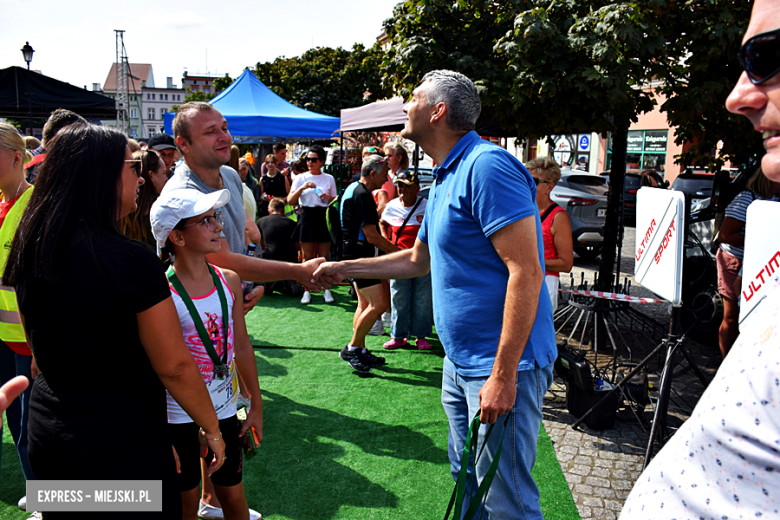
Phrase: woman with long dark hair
[137,225]
[104,331]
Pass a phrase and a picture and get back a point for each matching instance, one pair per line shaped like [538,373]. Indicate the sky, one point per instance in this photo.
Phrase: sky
[75,42]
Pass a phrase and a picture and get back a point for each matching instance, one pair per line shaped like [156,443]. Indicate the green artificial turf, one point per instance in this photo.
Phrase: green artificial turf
[338,444]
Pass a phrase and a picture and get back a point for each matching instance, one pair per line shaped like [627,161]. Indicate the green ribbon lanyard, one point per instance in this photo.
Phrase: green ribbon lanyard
[458,494]
[204,335]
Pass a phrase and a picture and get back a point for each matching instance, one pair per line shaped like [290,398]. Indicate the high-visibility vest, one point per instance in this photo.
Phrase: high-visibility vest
[11,329]
[290,212]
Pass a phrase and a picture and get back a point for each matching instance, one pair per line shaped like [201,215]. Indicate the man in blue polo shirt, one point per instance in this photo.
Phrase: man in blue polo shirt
[481,238]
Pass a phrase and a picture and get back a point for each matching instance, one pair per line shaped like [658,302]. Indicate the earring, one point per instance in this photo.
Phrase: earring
[15,163]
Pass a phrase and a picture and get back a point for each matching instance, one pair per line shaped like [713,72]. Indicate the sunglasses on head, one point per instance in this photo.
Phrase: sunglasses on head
[760,56]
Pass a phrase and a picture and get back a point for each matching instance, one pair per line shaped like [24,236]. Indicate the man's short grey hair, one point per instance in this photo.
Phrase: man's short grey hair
[460,96]
[372,163]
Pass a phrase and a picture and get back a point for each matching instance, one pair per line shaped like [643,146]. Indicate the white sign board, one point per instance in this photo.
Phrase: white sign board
[659,242]
[761,261]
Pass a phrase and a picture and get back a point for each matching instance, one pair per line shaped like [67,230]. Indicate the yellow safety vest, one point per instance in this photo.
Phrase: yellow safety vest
[11,329]
[289,212]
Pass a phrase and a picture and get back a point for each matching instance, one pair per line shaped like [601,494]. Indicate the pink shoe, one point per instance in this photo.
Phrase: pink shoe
[395,343]
[422,344]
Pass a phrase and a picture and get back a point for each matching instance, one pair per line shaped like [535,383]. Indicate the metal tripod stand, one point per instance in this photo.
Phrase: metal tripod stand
[673,343]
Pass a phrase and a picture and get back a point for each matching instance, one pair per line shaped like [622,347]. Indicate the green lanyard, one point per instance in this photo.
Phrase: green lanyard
[204,335]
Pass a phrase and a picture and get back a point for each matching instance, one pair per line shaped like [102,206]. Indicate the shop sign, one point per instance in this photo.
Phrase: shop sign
[564,145]
[655,140]
[635,141]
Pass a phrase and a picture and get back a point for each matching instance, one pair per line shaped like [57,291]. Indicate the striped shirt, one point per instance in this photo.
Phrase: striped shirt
[738,211]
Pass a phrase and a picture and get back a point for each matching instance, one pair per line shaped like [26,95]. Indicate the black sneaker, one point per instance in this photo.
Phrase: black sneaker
[367,358]
[353,358]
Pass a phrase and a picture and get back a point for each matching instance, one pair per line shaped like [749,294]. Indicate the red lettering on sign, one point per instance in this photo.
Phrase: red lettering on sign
[666,242]
[645,240]
[769,269]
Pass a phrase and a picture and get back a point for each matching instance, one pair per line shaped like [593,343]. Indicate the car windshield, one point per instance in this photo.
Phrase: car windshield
[589,183]
[695,185]
[633,181]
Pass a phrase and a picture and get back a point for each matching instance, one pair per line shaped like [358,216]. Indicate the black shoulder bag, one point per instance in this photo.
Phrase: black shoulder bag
[406,220]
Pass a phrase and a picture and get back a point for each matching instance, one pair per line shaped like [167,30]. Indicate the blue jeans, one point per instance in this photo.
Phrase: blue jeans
[12,365]
[412,301]
[513,493]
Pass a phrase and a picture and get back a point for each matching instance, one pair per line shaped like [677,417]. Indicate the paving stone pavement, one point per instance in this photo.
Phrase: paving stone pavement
[602,466]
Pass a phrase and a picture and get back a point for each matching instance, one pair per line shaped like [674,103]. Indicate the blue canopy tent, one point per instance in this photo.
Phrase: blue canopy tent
[256,115]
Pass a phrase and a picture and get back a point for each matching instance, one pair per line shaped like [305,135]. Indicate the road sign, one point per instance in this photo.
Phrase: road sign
[761,261]
[659,242]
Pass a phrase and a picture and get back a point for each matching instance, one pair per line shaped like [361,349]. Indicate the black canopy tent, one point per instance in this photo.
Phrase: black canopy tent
[23,92]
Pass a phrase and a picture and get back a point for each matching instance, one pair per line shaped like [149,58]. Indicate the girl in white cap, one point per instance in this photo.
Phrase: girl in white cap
[186,225]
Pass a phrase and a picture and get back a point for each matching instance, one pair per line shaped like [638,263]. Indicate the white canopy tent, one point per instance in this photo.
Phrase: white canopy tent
[381,116]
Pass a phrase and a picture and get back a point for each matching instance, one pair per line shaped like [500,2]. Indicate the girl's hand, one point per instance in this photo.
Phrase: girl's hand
[252,297]
[217,445]
[254,418]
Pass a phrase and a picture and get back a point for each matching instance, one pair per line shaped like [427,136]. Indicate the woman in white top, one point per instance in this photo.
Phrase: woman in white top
[314,190]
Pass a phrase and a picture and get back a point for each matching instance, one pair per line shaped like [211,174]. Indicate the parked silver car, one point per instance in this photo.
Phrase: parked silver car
[584,197]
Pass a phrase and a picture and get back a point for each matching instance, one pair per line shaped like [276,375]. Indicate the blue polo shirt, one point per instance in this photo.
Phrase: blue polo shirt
[479,189]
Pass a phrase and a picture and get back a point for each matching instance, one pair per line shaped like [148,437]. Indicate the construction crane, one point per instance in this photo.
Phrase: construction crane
[122,72]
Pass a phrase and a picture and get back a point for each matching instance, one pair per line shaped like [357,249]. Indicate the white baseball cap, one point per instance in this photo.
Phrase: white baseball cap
[173,206]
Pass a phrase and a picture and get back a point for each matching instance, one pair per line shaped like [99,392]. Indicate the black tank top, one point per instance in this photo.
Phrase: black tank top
[274,186]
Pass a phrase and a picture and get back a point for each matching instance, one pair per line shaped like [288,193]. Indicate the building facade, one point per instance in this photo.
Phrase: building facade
[140,75]
[156,102]
[199,82]
[146,102]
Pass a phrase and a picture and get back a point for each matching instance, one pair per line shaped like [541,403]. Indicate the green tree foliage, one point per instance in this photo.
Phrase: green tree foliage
[440,34]
[562,66]
[325,80]
[222,83]
[198,95]
[706,34]
[548,67]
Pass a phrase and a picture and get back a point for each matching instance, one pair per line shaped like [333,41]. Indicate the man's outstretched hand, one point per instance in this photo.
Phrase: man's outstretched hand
[329,273]
[307,278]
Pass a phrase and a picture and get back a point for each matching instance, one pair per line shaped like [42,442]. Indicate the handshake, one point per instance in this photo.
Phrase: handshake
[318,275]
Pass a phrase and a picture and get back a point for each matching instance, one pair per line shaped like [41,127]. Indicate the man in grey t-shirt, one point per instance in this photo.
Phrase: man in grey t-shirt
[202,137]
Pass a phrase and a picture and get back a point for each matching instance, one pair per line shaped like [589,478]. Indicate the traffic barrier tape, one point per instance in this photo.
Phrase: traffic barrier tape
[612,296]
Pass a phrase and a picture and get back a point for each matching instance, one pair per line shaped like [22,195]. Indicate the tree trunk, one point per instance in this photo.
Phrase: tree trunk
[617,177]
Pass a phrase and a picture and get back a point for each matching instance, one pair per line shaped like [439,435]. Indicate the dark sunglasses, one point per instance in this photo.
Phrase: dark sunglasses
[136,165]
[760,56]
[312,159]
[538,181]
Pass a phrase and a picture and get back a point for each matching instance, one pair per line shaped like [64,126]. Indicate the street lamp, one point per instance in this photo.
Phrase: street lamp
[27,52]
